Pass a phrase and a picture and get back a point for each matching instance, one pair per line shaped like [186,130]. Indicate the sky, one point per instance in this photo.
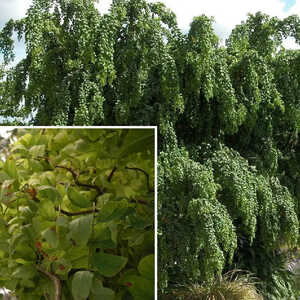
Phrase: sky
[227,13]
[5,132]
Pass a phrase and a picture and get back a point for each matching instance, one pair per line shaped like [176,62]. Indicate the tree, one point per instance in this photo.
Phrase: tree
[88,57]
[228,122]
[77,213]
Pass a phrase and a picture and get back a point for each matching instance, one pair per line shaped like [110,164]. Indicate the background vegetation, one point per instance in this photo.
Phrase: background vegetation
[228,120]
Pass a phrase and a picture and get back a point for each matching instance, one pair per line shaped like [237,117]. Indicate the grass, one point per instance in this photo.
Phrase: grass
[234,285]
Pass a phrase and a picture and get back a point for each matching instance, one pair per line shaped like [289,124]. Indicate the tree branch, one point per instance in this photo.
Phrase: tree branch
[141,201]
[146,174]
[75,177]
[111,174]
[54,279]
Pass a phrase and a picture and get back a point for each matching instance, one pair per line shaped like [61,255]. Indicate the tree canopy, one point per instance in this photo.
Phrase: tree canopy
[77,214]
[228,120]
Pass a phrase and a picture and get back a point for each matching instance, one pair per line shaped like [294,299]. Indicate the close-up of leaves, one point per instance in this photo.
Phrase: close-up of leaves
[228,117]
[77,214]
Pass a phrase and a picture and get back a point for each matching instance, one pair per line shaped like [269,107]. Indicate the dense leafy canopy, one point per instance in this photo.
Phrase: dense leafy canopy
[77,214]
[228,120]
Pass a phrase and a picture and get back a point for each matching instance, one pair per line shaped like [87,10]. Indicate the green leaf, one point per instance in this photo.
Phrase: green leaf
[60,140]
[7,191]
[78,256]
[62,266]
[103,294]
[97,284]
[113,210]
[35,165]
[10,168]
[84,147]
[37,151]
[140,222]
[81,284]
[49,192]
[109,265]
[51,237]
[137,140]
[62,221]
[146,267]
[103,240]
[80,229]
[48,178]
[94,133]
[77,198]
[19,148]
[47,211]
[140,288]
[25,272]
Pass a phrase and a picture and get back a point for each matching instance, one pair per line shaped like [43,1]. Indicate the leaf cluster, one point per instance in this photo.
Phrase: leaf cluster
[77,214]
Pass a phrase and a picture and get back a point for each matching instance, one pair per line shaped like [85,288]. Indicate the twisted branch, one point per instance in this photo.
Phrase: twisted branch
[75,177]
[146,174]
[54,279]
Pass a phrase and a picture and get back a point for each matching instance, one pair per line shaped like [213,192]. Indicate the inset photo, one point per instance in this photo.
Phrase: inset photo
[77,213]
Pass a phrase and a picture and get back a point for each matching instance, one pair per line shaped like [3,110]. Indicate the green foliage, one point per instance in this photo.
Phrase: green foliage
[187,203]
[77,208]
[228,120]
[277,282]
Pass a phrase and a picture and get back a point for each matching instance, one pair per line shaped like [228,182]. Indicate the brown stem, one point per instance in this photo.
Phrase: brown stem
[91,186]
[77,213]
[47,296]
[111,174]
[146,174]
[55,280]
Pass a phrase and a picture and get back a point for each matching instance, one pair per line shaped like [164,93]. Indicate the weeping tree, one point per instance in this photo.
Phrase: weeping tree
[228,120]
[87,57]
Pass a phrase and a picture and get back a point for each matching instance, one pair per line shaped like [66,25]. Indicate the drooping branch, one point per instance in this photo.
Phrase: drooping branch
[146,174]
[54,279]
